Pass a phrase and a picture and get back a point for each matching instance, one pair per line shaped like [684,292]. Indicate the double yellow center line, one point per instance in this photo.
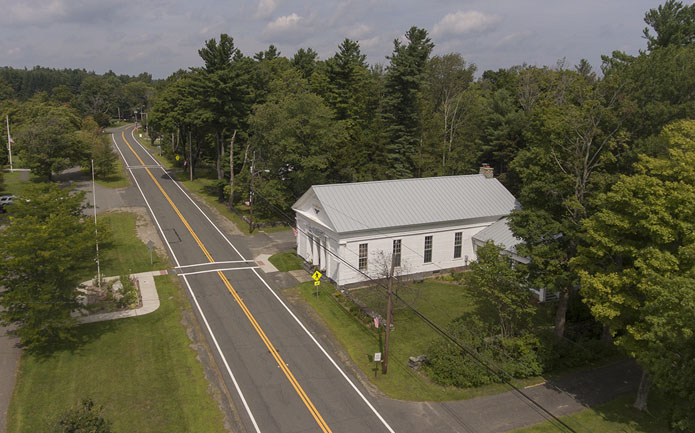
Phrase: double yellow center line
[283,366]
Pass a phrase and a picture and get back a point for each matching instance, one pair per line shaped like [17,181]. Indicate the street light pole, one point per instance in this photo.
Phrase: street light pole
[96,230]
[9,140]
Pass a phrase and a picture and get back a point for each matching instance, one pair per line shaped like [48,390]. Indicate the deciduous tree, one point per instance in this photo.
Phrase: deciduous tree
[638,269]
[42,253]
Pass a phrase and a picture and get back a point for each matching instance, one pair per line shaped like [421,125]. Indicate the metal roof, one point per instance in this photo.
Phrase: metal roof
[404,202]
[500,234]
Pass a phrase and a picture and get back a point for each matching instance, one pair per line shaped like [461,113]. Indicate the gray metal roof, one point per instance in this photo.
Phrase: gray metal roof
[393,203]
[500,234]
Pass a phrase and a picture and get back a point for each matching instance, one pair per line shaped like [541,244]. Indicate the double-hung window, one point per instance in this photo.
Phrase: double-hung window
[428,249]
[396,252]
[458,242]
[364,252]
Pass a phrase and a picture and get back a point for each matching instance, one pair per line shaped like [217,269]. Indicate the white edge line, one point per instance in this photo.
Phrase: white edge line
[378,415]
[212,263]
[216,270]
[219,350]
[337,367]
[146,202]
[205,320]
[189,197]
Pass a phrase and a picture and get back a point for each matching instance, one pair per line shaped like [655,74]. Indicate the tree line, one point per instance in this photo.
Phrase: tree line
[600,162]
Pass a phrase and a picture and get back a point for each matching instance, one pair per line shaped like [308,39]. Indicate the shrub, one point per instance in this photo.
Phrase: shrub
[450,366]
[129,293]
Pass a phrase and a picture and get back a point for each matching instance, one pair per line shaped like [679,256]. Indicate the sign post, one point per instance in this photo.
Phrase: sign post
[377,360]
[317,277]
[150,245]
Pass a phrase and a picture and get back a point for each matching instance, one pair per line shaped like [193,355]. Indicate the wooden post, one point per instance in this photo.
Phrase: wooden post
[190,155]
[385,362]
[231,171]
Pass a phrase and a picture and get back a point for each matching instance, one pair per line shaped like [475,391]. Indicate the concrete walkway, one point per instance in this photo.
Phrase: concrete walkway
[148,293]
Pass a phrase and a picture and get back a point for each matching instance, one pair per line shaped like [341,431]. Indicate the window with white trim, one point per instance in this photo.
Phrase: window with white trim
[363,257]
[458,243]
[428,249]
[396,252]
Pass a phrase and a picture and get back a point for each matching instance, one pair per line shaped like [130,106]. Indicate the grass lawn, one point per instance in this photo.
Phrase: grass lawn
[13,185]
[616,416]
[119,179]
[287,261]
[125,253]
[140,369]
[441,302]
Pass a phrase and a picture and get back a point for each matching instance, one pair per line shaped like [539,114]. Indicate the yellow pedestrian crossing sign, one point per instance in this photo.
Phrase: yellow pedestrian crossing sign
[317,275]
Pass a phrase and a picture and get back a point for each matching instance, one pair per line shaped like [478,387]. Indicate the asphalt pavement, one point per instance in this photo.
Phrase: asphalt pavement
[281,377]
[283,373]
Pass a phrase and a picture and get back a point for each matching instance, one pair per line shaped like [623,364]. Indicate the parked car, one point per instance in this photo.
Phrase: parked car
[4,201]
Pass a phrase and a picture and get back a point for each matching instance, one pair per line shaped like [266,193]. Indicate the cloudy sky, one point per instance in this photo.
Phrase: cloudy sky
[161,36]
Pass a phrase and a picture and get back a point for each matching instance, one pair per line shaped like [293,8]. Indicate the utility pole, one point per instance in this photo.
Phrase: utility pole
[9,141]
[190,155]
[231,171]
[96,230]
[385,362]
[253,162]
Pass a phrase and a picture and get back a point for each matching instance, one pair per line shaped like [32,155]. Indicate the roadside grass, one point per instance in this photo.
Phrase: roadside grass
[203,187]
[119,179]
[410,337]
[124,252]
[12,184]
[140,369]
[287,261]
[616,416]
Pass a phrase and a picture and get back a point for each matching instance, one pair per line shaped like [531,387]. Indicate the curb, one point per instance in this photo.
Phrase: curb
[148,293]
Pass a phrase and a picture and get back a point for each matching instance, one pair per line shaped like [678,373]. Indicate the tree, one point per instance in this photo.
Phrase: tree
[572,148]
[100,151]
[498,284]
[304,60]
[401,108]
[673,24]
[226,94]
[294,136]
[43,252]
[637,269]
[84,419]
[48,143]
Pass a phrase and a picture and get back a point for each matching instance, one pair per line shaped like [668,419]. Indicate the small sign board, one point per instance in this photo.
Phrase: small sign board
[317,275]
[150,244]
[178,157]
[377,357]
[316,283]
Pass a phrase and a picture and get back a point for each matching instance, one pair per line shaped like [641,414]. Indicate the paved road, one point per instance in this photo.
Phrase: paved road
[281,378]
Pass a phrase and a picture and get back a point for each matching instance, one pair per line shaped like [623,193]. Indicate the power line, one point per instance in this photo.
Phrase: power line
[494,369]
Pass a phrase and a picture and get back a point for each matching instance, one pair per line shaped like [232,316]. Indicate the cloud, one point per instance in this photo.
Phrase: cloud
[359,31]
[266,8]
[460,23]
[514,39]
[291,28]
[43,12]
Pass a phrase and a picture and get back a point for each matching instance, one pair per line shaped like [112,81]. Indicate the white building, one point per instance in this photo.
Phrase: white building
[427,224]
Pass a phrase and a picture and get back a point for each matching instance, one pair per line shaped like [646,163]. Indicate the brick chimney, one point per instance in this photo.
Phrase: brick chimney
[487,171]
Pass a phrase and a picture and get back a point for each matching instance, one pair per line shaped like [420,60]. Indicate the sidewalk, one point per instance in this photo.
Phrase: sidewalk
[148,293]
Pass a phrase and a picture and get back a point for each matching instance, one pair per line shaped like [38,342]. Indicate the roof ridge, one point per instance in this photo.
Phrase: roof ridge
[395,180]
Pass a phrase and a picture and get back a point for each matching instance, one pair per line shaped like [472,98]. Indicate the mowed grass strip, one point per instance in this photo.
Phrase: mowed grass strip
[119,178]
[439,301]
[140,369]
[124,252]
[288,261]
[616,416]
